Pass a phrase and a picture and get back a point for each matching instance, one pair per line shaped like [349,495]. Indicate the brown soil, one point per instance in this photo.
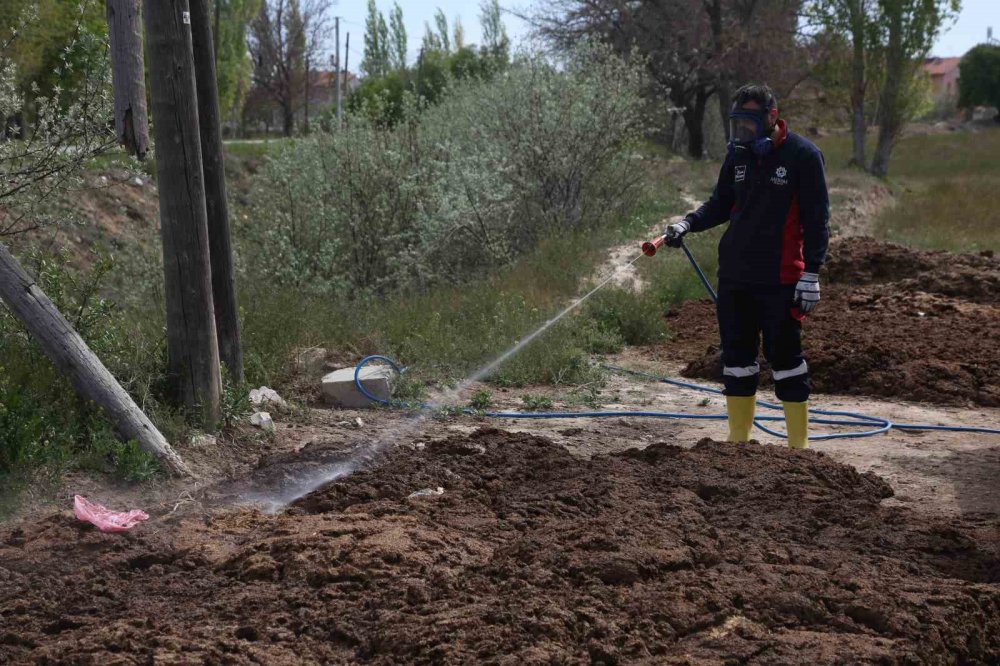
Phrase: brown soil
[716,554]
[893,322]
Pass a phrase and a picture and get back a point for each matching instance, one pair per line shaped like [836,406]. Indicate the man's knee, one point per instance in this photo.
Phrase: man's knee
[741,380]
[791,384]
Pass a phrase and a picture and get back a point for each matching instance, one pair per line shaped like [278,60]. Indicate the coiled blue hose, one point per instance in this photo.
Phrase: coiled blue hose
[876,425]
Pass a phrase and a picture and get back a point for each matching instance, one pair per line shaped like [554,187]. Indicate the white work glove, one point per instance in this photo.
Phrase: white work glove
[807,293]
[674,233]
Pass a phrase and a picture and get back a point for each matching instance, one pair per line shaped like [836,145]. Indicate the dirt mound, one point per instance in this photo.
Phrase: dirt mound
[719,553]
[866,261]
[893,322]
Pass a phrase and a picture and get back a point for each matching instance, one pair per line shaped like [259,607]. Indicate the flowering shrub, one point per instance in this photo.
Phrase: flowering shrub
[455,190]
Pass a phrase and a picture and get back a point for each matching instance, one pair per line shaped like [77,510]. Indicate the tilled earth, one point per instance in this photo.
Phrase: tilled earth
[717,554]
[893,322]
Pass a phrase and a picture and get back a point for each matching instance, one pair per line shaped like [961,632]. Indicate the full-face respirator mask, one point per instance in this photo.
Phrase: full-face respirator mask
[748,130]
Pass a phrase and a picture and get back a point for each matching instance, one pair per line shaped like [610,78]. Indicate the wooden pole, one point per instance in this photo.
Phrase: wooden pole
[70,354]
[127,72]
[192,346]
[227,320]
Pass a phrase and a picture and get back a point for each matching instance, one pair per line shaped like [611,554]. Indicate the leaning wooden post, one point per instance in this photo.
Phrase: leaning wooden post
[227,320]
[70,354]
[125,30]
[192,346]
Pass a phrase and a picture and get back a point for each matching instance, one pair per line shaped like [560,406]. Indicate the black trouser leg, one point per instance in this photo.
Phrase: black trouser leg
[739,329]
[783,343]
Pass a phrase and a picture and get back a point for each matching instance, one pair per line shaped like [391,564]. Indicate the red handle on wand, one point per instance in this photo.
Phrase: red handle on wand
[649,248]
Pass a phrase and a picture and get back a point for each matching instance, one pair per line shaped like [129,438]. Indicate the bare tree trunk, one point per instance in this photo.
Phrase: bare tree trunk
[890,120]
[859,125]
[722,85]
[287,117]
[192,345]
[70,354]
[694,122]
[227,321]
[127,72]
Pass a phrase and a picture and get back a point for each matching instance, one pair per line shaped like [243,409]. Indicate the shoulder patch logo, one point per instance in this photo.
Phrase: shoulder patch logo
[781,172]
[779,177]
[741,173]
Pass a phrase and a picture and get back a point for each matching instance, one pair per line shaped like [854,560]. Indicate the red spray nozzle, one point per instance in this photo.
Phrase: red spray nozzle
[649,248]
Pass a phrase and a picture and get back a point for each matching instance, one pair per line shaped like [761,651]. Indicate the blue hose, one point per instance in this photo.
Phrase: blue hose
[876,424]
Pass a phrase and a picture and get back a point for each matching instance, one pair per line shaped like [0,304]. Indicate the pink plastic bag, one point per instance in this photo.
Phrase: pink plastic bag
[104,519]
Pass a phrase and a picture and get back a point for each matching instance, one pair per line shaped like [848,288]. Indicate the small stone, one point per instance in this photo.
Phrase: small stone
[264,395]
[427,492]
[312,361]
[263,421]
[203,441]
[138,181]
[359,423]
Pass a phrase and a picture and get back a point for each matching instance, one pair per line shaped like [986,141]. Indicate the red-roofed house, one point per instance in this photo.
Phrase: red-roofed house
[944,75]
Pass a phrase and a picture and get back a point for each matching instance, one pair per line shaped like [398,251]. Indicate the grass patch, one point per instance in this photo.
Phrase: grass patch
[447,332]
[957,214]
[946,187]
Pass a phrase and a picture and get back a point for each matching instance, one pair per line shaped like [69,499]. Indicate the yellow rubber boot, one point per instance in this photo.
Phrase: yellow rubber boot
[797,424]
[740,409]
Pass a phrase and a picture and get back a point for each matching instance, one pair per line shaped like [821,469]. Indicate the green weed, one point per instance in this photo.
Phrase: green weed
[481,400]
[536,403]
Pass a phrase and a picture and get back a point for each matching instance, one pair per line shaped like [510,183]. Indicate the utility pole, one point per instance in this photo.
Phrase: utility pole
[192,345]
[127,71]
[306,128]
[227,320]
[215,33]
[347,60]
[340,110]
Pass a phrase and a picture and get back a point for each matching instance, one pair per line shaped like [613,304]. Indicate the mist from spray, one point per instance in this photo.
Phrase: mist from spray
[367,454]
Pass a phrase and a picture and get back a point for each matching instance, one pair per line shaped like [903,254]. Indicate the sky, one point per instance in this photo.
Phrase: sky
[969,30]
[415,13]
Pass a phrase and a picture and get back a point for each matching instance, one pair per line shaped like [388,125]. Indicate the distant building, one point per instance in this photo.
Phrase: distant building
[943,73]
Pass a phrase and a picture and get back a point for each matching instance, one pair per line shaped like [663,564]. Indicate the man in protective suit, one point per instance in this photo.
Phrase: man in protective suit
[772,191]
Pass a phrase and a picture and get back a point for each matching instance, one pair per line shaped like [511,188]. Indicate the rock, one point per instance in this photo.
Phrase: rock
[264,395]
[263,421]
[203,441]
[138,181]
[339,388]
[359,423]
[427,492]
[312,362]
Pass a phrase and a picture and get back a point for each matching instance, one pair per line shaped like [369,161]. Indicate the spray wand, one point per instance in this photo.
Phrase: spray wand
[649,249]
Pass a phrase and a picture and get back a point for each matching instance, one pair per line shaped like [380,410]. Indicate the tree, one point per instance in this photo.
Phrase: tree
[673,37]
[397,38]
[495,40]
[979,81]
[441,21]
[911,26]
[375,61]
[285,35]
[857,19]
[45,30]
[459,34]
[233,64]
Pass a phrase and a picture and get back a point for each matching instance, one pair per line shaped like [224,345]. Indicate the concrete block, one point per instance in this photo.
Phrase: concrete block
[339,388]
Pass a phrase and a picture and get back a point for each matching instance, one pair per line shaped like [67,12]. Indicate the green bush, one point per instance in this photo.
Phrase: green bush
[636,318]
[460,189]
[42,420]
